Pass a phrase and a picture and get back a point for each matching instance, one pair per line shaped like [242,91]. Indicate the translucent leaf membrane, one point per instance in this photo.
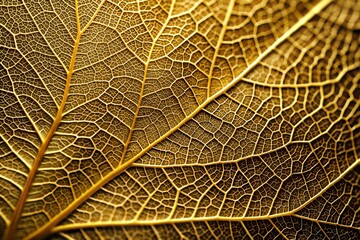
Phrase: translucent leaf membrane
[179,119]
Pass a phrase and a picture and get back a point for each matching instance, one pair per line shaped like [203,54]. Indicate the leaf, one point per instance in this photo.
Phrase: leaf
[179,119]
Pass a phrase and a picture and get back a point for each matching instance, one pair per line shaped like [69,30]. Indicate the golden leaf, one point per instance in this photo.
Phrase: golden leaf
[179,119]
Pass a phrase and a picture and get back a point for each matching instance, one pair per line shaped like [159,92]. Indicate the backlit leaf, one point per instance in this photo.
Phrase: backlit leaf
[179,119]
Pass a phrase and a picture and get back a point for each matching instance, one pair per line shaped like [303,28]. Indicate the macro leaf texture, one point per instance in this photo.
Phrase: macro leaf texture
[179,119]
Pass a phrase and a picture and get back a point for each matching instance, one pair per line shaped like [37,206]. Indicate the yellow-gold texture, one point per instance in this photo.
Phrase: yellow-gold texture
[179,119]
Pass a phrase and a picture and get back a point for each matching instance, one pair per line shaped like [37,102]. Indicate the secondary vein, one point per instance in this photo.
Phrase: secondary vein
[14,220]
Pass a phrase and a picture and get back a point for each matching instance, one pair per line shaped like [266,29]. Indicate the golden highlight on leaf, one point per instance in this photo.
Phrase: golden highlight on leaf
[179,119]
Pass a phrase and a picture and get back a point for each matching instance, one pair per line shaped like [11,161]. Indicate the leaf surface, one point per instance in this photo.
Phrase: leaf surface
[179,119]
